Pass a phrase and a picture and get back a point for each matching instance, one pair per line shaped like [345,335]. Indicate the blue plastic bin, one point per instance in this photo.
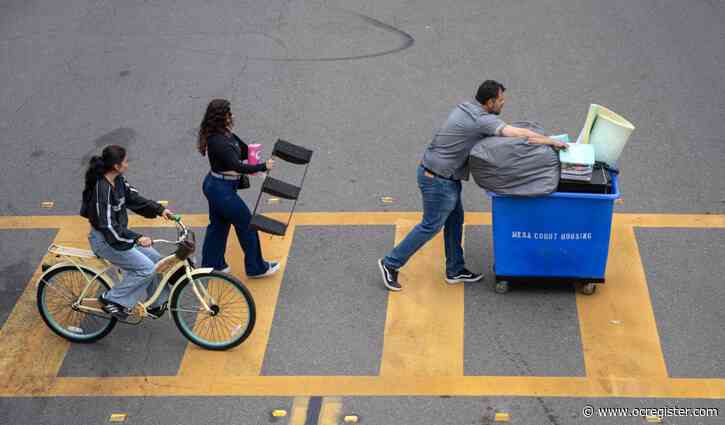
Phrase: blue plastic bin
[563,236]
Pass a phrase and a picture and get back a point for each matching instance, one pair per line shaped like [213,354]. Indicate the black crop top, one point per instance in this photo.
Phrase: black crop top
[226,153]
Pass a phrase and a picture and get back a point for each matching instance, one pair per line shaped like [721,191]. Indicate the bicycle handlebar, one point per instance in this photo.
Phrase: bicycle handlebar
[183,232]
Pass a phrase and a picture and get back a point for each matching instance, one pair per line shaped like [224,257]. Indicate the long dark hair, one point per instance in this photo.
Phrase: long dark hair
[214,122]
[99,165]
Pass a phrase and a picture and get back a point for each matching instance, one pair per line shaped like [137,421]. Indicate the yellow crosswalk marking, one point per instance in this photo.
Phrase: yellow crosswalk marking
[330,411]
[299,411]
[247,358]
[27,347]
[631,348]
[362,218]
[424,325]
[671,220]
[363,386]
[622,351]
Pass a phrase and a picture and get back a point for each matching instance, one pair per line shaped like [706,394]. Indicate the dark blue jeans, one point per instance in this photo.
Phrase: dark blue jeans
[442,208]
[226,208]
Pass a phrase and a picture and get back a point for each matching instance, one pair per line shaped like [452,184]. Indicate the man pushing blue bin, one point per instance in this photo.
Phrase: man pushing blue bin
[552,211]
[560,237]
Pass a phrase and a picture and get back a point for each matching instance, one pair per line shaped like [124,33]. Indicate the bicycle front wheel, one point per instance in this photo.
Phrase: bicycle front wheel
[60,304]
[227,322]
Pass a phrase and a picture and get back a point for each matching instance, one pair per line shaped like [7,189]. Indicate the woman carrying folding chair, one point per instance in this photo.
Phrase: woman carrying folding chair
[226,154]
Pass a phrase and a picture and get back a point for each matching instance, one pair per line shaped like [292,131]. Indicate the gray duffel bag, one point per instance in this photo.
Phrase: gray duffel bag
[512,166]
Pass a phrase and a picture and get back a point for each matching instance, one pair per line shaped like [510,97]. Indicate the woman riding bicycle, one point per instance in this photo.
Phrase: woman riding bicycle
[106,197]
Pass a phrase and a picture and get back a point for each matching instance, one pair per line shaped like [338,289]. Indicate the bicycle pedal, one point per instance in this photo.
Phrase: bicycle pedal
[138,310]
[157,312]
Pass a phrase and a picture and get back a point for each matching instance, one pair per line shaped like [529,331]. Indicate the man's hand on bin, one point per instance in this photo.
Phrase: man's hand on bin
[533,137]
[543,140]
[558,145]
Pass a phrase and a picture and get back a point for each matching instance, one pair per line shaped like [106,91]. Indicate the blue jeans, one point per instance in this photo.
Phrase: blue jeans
[226,208]
[139,280]
[442,208]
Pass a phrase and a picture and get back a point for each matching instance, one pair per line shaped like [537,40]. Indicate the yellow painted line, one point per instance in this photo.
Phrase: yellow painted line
[631,347]
[35,222]
[299,411]
[200,220]
[291,386]
[330,411]
[27,346]
[354,218]
[671,220]
[247,358]
[363,218]
[424,324]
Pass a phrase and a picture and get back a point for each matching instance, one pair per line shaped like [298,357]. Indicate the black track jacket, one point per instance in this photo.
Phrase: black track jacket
[105,208]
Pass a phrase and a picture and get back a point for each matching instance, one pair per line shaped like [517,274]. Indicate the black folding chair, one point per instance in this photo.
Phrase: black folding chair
[293,154]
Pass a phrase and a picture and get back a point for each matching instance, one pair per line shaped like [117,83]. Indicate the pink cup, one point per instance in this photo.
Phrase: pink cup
[254,156]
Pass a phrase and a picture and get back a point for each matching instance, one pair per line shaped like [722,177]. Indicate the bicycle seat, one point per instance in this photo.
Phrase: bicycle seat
[71,251]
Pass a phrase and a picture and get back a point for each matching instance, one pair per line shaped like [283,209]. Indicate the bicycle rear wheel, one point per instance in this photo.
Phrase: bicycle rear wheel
[232,314]
[58,298]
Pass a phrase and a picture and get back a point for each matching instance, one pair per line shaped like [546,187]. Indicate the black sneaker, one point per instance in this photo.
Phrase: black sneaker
[464,276]
[390,276]
[159,311]
[114,309]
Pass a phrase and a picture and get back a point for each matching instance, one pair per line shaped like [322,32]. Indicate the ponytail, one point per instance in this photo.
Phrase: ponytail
[99,165]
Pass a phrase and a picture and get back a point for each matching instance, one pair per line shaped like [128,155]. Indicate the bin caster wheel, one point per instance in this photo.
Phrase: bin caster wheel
[502,287]
[588,288]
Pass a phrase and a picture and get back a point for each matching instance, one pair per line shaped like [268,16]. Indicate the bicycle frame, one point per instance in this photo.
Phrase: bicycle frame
[69,255]
[167,266]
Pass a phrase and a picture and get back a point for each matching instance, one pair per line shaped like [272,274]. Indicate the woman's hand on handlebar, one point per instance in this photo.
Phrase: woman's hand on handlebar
[167,214]
[270,164]
[145,241]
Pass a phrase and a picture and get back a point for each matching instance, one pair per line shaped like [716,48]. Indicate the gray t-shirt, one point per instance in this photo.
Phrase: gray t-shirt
[466,125]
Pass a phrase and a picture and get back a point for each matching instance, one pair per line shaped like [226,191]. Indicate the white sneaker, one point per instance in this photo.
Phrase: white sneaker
[226,269]
[273,267]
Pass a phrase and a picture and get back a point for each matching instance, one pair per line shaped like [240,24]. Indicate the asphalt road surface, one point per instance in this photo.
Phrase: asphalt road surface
[364,84]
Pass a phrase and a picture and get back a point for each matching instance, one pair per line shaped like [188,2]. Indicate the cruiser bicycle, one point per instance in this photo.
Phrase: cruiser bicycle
[212,309]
